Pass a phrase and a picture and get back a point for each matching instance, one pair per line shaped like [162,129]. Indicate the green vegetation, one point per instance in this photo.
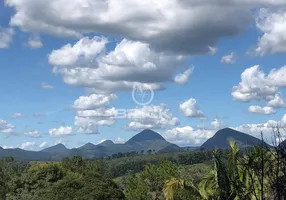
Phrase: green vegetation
[258,173]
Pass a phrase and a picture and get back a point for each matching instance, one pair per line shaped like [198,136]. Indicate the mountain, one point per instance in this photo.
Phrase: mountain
[59,148]
[87,146]
[143,141]
[170,148]
[146,140]
[106,143]
[145,135]
[222,137]
[20,154]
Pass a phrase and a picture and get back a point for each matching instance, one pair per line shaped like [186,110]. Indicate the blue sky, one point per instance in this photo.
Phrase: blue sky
[25,68]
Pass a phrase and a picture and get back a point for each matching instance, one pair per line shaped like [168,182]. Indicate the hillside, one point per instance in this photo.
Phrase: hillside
[222,137]
[142,142]
[145,135]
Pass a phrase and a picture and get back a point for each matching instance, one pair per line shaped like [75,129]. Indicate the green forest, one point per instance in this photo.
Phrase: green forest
[256,173]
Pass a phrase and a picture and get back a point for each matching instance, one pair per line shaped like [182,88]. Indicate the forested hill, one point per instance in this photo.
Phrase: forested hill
[145,142]
[222,138]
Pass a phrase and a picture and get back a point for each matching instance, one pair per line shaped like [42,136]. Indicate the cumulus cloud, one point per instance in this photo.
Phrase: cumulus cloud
[229,59]
[273,26]
[35,42]
[254,85]
[93,101]
[61,131]
[93,111]
[28,145]
[86,125]
[216,123]
[8,147]
[33,146]
[86,64]
[261,110]
[277,101]
[183,78]
[277,77]
[99,113]
[150,117]
[43,145]
[6,128]
[18,115]
[190,109]
[266,128]
[33,133]
[119,140]
[6,37]
[47,86]
[188,135]
[84,50]
[188,27]
[283,120]
[213,50]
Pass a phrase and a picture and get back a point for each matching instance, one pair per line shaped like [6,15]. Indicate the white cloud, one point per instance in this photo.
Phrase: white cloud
[92,111]
[98,113]
[254,85]
[213,50]
[283,120]
[273,26]
[277,77]
[35,42]
[277,102]
[188,135]
[266,128]
[18,115]
[28,145]
[129,63]
[151,117]
[86,125]
[119,140]
[229,59]
[183,78]
[256,129]
[8,147]
[190,109]
[33,146]
[6,37]
[43,145]
[179,26]
[45,85]
[6,128]
[216,123]
[84,50]
[61,131]
[33,133]
[261,110]
[93,101]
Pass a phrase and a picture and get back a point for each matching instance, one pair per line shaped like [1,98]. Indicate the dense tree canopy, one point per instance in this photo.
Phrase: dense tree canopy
[257,173]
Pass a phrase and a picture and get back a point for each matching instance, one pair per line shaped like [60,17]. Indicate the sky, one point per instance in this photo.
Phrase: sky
[83,71]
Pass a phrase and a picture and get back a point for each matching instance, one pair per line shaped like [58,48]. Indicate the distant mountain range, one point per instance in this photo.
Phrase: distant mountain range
[143,141]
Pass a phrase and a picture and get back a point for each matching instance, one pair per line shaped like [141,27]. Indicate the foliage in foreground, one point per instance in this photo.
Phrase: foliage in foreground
[256,174]
[74,178]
